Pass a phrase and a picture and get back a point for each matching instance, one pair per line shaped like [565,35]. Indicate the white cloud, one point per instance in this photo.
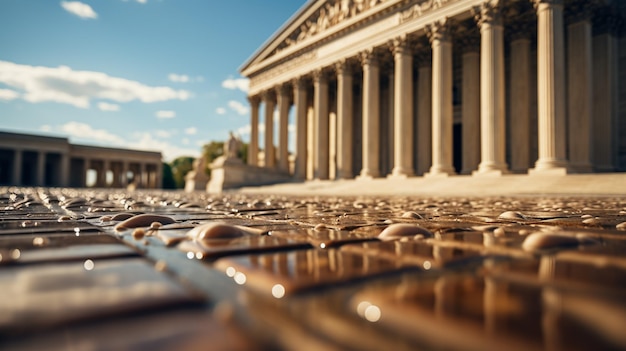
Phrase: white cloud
[45,128]
[164,114]
[78,88]
[185,141]
[105,106]
[238,107]
[85,131]
[220,111]
[163,134]
[236,83]
[145,141]
[8,94]
[199,79]
[191,130]
[178,78]
[142,1]
[82,132]
[79,9]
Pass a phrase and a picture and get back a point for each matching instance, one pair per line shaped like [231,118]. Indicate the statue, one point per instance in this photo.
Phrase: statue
[231,146]
[196,179]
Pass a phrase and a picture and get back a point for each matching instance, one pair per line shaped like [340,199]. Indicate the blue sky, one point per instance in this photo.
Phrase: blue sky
[146,74]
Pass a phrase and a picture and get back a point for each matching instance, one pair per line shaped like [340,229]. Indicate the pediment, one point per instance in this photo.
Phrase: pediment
[315,19]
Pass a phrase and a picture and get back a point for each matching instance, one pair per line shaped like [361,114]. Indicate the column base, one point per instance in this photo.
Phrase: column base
[439,172]
[367,174]
[549,167]
[400,173]
[490,170]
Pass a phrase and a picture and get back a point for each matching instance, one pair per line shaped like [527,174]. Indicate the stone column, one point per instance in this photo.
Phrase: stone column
[106,164]
[124,178]
[550,88]
[17,167]
[86,165]
[270,155]
[344,120]
[371,115]
[424,113]
[159,175]
[519,100]
[283,125]
[41,168]
[64,174]
[605,99]
[470,109]
[143,176]
[300,102]
[492,113]
[253,149]
[580,86]
[440,39]
[403,109]
[320,105]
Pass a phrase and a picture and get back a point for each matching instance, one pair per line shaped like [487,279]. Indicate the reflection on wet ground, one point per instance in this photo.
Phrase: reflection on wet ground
[165,270]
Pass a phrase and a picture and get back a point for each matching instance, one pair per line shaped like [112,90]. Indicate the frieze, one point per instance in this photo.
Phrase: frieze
[423,7]
[329,15]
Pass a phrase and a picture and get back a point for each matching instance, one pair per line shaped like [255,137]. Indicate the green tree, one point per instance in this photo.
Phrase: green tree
[168,177]
[180,167]
[210,152]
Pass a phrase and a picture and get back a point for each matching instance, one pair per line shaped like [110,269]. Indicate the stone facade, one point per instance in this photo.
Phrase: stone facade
[401,88]
[31,160]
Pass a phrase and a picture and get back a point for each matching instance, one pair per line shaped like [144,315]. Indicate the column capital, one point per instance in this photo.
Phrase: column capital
[298,82]
[368,57]
[282,90]
[400,45]
[550,3]
[440,30]
[254,100]
[319,75]
[488,12]
[343,66]
[269,94]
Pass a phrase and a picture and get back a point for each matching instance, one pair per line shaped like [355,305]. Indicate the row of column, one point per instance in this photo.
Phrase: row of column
[483,110]
[141,174]
[40,167]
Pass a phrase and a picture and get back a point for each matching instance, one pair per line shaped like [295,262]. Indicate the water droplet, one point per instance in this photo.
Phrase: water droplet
[190,255]
[240,278]
[89,265]
[16,254]
[402,229]
[542,241]
[40,241]
[138,233]
[410,214]
[199,255]
[427,265]
[372,313]
[511,215]
[231,271]
[216,231]
[361,307]
[278,291]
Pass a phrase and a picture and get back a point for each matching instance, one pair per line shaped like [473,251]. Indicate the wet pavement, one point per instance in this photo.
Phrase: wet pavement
[96,270]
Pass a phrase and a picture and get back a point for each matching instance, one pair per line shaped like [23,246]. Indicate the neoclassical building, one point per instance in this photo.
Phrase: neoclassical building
[404,88]
[33,160]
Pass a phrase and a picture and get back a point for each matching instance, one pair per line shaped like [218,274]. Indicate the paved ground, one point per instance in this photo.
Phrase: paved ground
[95,269]
[465,185]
